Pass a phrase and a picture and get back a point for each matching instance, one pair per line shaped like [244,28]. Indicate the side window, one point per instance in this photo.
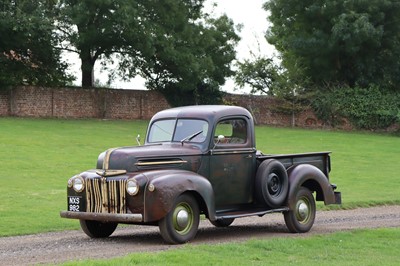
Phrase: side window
[234,131]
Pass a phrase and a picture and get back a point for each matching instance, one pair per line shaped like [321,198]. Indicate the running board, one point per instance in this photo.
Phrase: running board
[242,213]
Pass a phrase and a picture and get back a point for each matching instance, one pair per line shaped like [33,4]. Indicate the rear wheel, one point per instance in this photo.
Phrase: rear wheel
[301,219]
[224,222]
[181,223]
[96,229]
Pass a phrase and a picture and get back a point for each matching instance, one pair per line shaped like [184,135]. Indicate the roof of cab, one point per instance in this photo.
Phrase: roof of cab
[207,112]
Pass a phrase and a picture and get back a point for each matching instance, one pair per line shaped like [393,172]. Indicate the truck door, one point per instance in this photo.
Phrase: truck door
[232,163]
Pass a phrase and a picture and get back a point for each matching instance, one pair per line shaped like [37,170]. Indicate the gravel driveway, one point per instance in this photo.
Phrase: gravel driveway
[74,245]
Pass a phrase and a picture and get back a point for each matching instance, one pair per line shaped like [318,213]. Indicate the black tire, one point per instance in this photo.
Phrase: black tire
[272,184]
[96,229]
[301,219]
[224,222]
[181,223]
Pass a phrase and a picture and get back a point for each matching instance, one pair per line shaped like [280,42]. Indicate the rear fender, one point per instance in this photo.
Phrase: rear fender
[166,185]
[309,176]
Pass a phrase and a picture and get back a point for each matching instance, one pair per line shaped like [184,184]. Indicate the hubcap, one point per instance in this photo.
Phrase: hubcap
[182,218]
[303,211]
[273,184]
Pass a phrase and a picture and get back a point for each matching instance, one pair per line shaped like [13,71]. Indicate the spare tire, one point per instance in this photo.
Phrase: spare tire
[271,184]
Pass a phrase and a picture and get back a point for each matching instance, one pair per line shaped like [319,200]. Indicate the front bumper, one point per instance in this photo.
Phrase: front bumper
[103,217]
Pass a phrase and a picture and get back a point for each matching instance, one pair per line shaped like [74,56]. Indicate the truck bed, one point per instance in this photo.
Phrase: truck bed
[321,160]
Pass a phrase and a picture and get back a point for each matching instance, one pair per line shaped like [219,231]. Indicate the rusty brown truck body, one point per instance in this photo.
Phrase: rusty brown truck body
[198,160]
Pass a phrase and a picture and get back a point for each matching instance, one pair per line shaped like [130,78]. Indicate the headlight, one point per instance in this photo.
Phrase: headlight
[78,184]
[132,187]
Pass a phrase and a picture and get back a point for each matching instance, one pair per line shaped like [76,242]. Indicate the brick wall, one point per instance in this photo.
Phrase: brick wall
[266,110]
[29,101]
[133,104]
[77,103]
[4,103]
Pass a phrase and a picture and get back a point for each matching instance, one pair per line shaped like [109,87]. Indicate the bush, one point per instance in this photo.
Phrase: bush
[365,108]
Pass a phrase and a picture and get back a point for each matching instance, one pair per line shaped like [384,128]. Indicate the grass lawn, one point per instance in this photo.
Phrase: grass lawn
[38,156]
[362,247]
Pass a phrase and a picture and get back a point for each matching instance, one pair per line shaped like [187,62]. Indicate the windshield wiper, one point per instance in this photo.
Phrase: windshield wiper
[189,138]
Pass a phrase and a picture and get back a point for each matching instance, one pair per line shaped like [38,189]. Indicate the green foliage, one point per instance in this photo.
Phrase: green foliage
[189,66]
[351,42]
[366,108]
[265,76]
[350,45]
[179,50]
[261,74]
[27,47]
[180,95]
[97,28]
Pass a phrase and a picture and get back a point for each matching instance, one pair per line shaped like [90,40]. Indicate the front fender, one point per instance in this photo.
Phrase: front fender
[166,185]
[314,179]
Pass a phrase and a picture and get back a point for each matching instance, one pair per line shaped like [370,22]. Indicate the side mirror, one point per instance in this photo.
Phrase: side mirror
[138,140]
[220,138]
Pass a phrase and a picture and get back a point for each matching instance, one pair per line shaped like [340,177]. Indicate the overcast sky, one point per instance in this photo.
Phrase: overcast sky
[249,13]
[254,20]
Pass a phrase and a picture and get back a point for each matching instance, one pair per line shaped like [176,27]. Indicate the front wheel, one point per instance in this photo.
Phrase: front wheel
[181,223]
[301,219]
[96,229]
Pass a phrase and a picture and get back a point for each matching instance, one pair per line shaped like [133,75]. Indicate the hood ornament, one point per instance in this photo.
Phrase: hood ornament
[105,173]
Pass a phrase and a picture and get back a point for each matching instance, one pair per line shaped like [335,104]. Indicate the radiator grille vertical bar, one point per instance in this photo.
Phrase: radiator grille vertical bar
[98,196]
[111,193]
[105,196]
[122,196]
[88,196]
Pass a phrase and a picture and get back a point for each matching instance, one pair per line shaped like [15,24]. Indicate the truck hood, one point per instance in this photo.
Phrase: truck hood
[148,157]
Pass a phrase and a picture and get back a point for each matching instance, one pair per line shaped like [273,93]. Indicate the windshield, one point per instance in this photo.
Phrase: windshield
[191,130]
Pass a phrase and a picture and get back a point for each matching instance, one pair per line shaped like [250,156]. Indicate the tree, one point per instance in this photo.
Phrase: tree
[265,76]
[351,42]
[261,74]
[96,28]
[179,50]
[27,48]
[189,65]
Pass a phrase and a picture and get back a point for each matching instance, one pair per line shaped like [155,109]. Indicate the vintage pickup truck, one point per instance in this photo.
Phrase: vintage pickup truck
[198,160]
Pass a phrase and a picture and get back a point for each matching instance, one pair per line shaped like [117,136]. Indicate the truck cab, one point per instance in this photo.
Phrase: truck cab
[198,160]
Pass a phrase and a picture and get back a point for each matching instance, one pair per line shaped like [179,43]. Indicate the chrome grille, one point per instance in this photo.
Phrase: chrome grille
[105,196]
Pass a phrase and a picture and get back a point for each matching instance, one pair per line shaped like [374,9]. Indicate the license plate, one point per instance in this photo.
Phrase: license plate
[75,204]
